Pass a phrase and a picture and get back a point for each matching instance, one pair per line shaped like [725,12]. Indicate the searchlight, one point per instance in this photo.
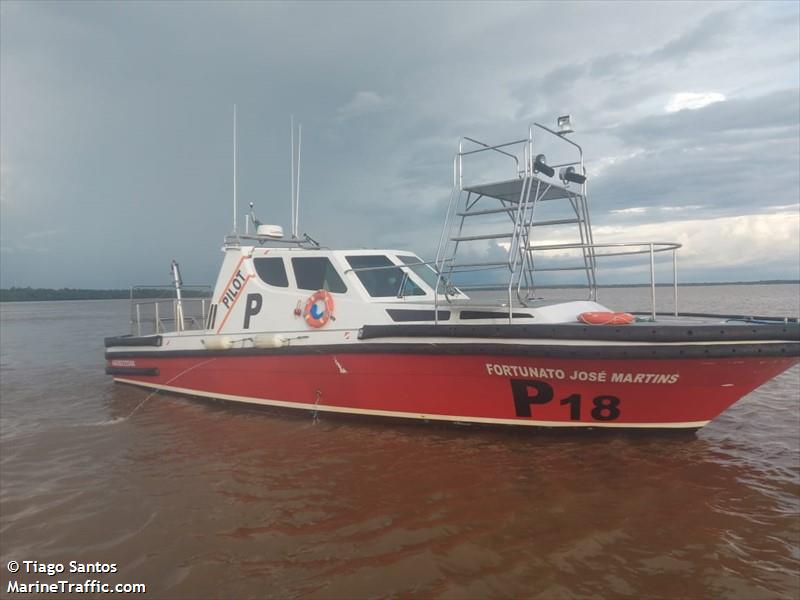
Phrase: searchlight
[540,166]
[570,174]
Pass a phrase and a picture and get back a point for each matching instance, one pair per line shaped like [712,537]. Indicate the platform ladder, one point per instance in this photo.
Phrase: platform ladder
[534,182]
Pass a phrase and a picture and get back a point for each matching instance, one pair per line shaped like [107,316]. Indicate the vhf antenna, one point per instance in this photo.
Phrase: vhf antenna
[235,169]
[295,177]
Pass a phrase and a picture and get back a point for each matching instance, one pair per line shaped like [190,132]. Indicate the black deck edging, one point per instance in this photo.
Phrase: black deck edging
[788,332]
[130,340]
[598,352]
[775,320]
[150,371]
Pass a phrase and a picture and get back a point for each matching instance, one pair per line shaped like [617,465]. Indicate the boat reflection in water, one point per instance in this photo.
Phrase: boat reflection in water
[341,507]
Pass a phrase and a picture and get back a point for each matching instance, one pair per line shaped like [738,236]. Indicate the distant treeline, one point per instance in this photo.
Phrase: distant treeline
[687,284]
[28,294]
[570,286]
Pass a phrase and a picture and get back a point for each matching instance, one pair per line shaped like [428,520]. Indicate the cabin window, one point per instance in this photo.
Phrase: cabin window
[467,315]
[424,272]
[272,271]
[417,315]
[381,277]
[317,273]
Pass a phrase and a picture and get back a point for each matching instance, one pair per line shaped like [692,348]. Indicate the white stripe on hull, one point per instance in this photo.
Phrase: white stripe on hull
[406,415]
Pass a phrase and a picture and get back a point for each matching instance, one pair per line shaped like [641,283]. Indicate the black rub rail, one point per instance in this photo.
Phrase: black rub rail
[786,332]
[131,340]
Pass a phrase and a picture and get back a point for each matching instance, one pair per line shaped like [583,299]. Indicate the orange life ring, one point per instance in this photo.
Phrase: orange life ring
[319,309]
[606,318]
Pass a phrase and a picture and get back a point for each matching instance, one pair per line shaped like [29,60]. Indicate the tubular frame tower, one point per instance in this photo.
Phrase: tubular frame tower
[473,207]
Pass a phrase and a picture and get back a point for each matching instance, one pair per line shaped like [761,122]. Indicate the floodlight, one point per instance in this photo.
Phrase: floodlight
[564,124]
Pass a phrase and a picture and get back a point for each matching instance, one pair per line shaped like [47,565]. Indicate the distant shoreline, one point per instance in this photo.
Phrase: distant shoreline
[28,294]
[567,286]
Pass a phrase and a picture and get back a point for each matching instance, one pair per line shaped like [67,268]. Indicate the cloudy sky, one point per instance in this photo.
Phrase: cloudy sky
[115,132]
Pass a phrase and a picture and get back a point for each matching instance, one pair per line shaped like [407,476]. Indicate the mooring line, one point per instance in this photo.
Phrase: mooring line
[154,392]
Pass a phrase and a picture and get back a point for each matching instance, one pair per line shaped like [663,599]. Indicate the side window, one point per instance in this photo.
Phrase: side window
[381,278]
[317,273]
[271,271]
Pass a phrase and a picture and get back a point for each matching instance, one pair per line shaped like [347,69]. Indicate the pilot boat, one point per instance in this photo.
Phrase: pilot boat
[466,337]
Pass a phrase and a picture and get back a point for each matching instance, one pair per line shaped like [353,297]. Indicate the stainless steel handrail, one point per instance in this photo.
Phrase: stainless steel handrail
[650,248]
[427,262]
[191,315]
[458,166]
[495,148]
[306,242]
[667,246]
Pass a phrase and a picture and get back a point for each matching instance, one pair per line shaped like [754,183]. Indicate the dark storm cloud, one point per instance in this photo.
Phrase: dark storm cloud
[723,183]
[738,116]
[710,32]
[115,144]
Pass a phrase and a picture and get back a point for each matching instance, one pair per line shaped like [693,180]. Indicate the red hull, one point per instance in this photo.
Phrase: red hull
[476,388]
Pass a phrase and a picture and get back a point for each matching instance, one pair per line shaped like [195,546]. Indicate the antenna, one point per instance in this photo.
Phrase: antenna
[235,169]
[291,174]
[297,187]
[295,177]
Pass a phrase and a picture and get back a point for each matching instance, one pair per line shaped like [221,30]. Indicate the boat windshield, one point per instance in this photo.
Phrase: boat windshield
[424,272]
[381,278]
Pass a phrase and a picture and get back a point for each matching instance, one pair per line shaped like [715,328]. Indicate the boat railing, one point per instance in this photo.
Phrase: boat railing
[598,251]
[151,314]
[626,249]
[524,145]
[305,242]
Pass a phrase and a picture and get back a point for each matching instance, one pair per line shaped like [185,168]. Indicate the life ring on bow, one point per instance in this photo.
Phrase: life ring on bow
[606,318]
[319,309]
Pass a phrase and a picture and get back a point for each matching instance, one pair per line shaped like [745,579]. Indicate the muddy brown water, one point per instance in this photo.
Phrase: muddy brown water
[197,499]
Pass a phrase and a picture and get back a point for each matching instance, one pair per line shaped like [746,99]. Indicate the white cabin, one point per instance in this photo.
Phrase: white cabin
[262,289]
